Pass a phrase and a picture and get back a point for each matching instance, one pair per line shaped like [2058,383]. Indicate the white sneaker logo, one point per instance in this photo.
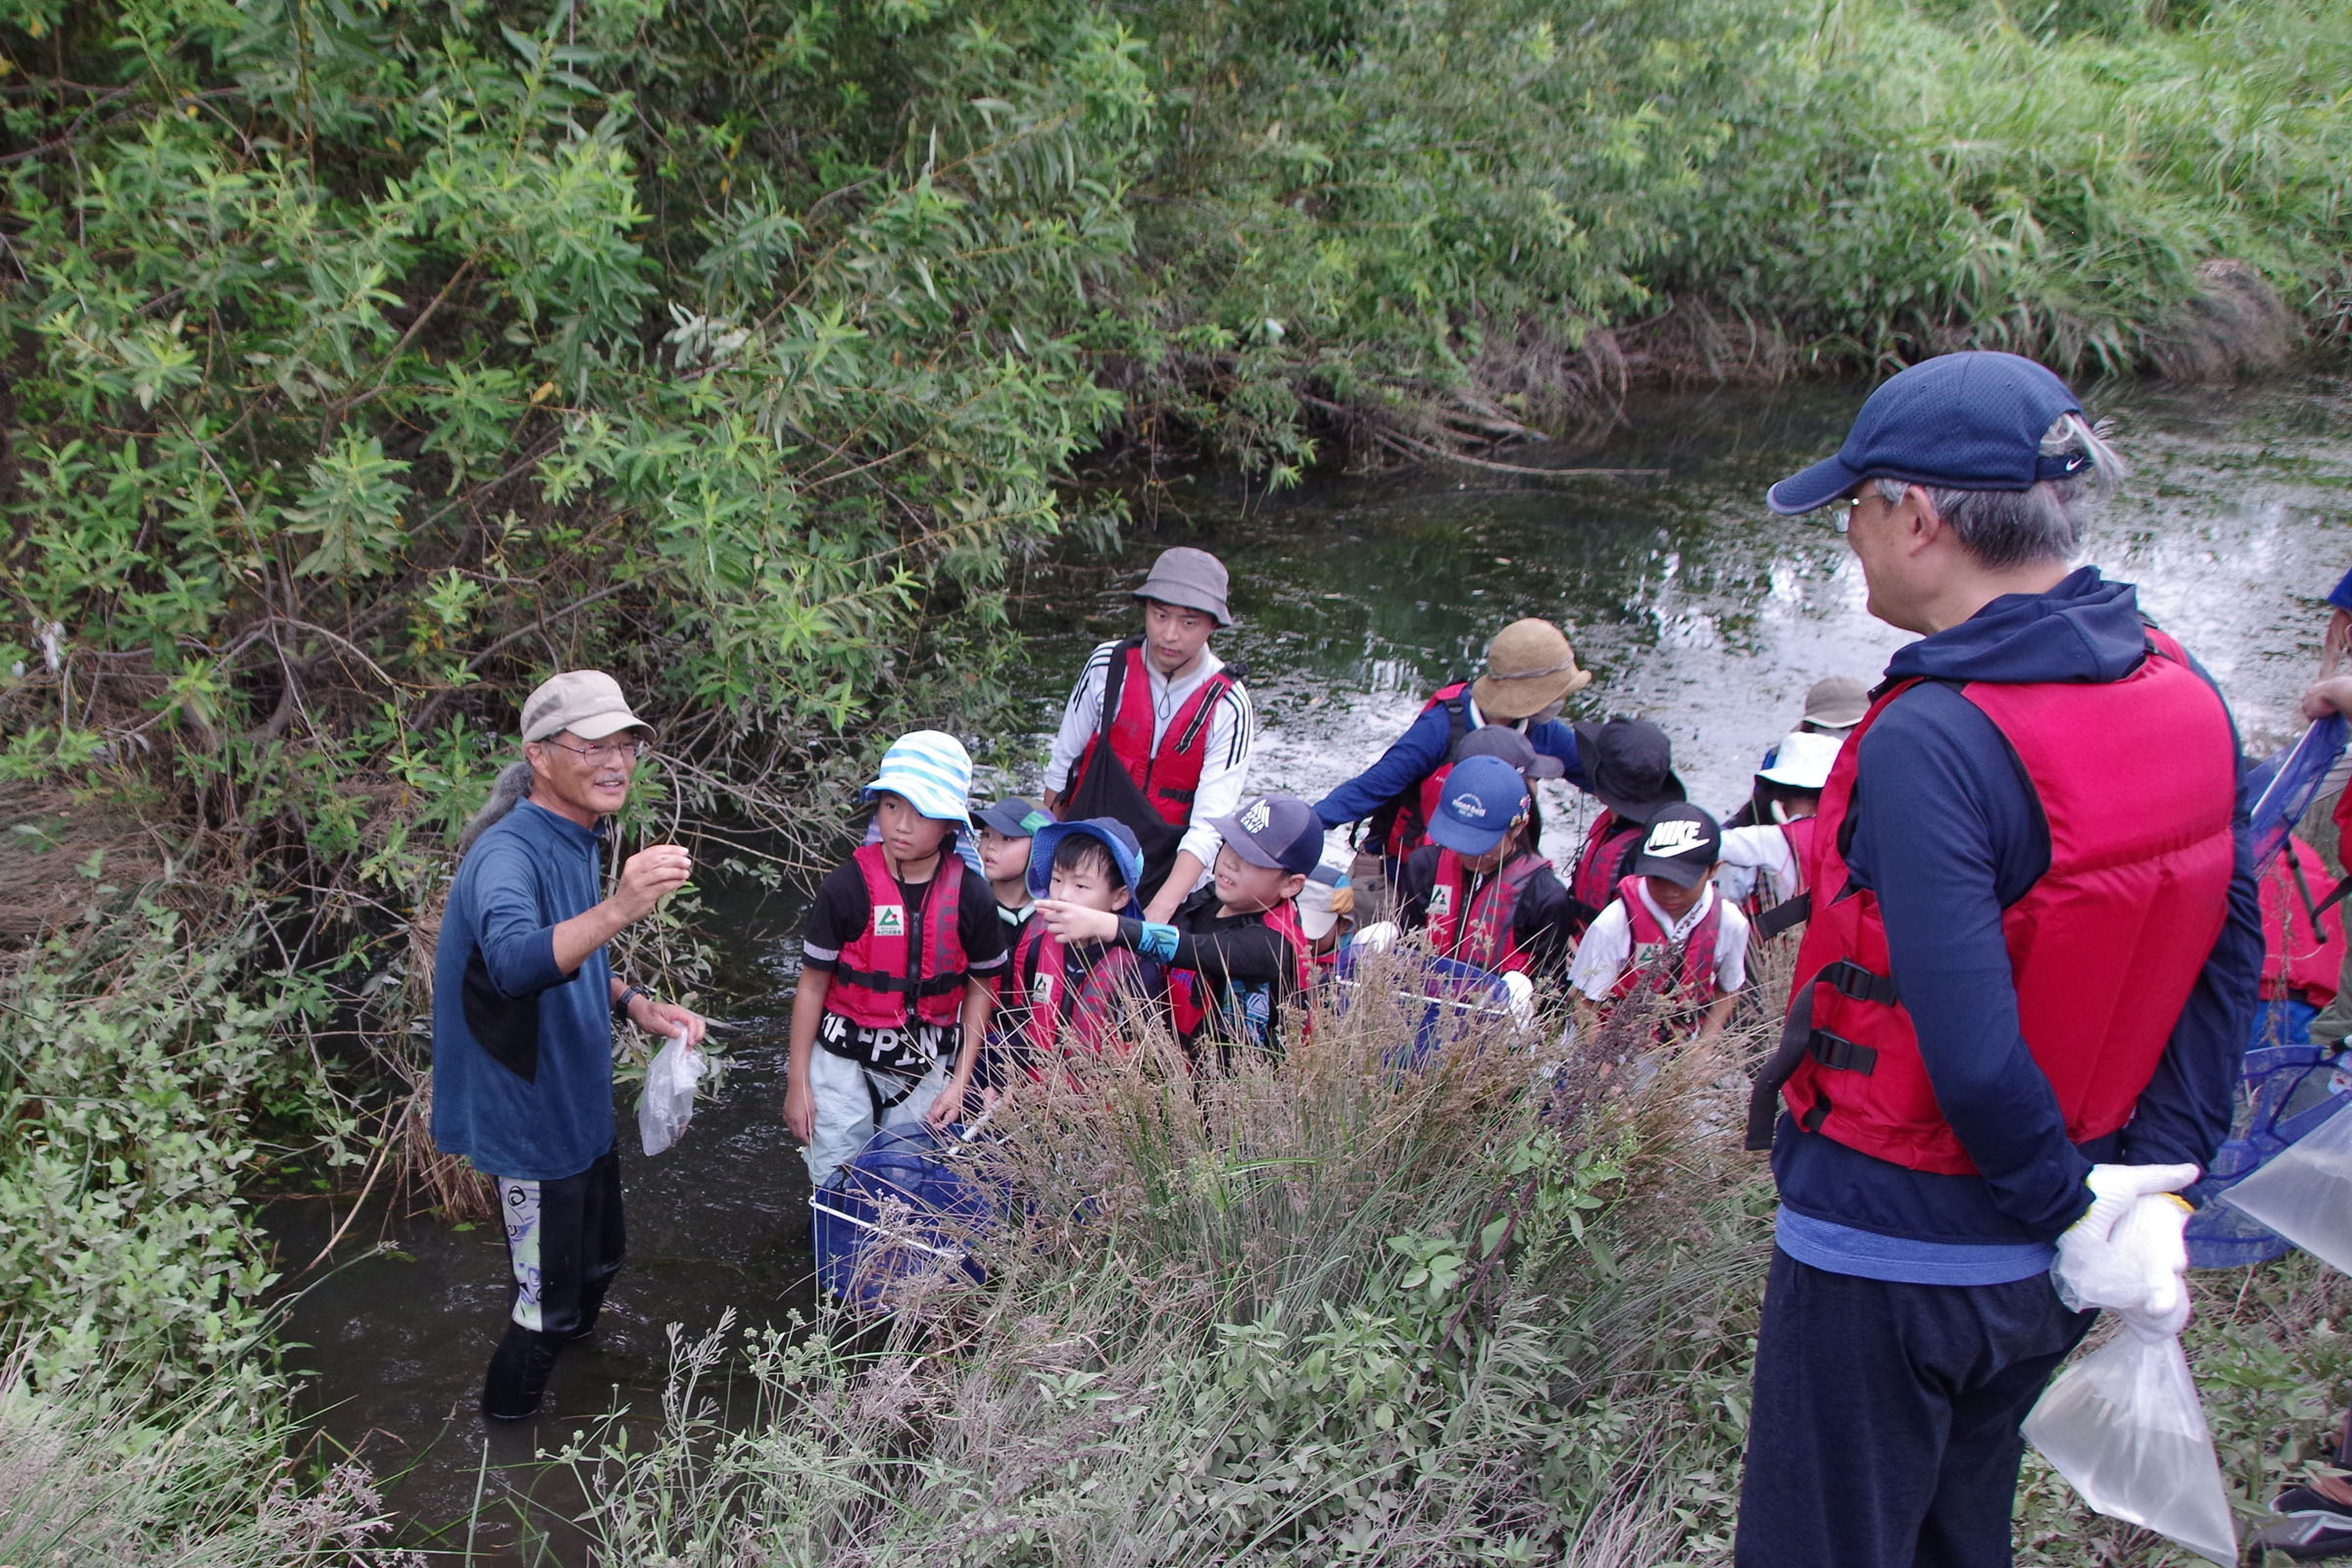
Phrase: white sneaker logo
[1669,839]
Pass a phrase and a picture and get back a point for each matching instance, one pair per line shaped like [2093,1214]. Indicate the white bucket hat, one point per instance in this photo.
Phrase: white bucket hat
[932,772]
[1804,761]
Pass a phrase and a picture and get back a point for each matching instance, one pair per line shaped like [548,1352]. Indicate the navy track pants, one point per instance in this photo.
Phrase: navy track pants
[1884,1427]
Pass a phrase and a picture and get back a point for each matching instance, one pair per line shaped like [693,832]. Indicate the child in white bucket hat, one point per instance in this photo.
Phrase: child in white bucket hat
[897,964]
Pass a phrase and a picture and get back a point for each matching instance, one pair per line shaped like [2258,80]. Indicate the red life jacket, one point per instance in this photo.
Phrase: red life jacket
[1187,991]
[1480,928]
[2103,949]
[876,974]
[1054,1015]
[1408,814]
[1684,970]
[2296,961]
[1601,859]
[1170,776]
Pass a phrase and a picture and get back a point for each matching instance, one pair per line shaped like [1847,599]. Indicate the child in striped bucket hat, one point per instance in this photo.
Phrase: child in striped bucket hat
[899,964]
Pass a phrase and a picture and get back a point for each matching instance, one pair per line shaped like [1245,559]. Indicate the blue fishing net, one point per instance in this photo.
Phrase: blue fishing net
[902,1206]
[2287,1088]
[1453,999]
[2281,786]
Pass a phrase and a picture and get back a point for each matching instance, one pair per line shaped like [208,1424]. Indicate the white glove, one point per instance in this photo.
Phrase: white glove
[2118,1258]
[1522,992]
[1378,937]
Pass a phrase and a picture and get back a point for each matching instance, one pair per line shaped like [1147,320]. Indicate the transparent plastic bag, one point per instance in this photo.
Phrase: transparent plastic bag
[2305,1191]
[668,1104]
[2124,1426]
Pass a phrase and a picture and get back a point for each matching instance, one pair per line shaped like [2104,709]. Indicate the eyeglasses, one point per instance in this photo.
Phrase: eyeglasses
[603,752]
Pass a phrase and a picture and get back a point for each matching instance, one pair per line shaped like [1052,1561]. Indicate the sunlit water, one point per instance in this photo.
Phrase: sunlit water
[1693,606]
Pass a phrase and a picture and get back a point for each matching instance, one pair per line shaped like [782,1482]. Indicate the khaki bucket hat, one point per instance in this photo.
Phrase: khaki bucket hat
[1529,668]
[586,702]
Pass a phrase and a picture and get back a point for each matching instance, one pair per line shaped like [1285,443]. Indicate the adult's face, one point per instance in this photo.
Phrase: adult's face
[1174,636]
[1886,539]
[582,779]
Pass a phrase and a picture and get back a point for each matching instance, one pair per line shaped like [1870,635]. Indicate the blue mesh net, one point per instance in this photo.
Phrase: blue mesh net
[1455,999]
[2289,1086]
[902,1206]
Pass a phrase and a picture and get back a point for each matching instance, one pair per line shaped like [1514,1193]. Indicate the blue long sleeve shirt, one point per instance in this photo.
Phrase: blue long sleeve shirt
[522,1052]
[1420,751]
[1933,757]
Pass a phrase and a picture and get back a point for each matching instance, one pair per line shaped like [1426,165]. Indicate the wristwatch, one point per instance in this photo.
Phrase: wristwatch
[621,1003]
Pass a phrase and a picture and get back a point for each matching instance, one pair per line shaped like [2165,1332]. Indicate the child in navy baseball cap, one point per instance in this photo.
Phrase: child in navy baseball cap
[1480,889]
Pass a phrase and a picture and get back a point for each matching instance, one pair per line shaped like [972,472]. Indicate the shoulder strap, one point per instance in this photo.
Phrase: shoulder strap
[1114,684]
[1212,692]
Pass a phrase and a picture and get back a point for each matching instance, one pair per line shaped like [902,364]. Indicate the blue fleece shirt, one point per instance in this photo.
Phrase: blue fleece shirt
[1419,751]
[1933,757]
[522,1052]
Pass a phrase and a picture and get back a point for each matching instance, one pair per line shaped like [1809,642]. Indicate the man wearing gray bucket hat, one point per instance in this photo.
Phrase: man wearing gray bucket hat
[523,1008]
[1157,731]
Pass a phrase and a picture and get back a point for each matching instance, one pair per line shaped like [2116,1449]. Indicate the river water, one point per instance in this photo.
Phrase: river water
[1353,598]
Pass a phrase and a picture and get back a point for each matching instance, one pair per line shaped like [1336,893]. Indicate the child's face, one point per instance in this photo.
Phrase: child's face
[1247,889]
[1092,884]
[907,833]
[1002,858]
[1673,897]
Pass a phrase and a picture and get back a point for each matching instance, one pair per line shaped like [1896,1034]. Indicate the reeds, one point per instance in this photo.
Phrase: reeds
[1297,1307]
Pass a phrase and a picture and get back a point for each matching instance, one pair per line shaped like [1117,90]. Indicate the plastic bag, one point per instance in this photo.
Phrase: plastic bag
[2123,1425]
[668,1104]
[2305,1191]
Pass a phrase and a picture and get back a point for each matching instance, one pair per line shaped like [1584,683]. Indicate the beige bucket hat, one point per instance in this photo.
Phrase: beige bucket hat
[1529,668]
[586,702]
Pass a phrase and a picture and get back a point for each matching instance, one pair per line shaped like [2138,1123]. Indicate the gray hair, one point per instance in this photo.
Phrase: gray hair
[514,782]
[2004,529]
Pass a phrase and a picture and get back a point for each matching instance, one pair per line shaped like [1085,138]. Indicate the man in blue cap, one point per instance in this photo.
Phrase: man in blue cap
[2033,953]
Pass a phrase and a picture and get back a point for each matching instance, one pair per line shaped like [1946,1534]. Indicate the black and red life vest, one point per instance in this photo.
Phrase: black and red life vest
[1684,971]
[1248,1010]
[1479,928]
[1401,826]
[1170,775]
[2104,948]
[878,969]
[1055,1016]
[2298,961]
[1603,861]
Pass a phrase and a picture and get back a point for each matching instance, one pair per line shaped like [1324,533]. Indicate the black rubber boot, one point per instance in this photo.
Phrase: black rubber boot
[518,1373]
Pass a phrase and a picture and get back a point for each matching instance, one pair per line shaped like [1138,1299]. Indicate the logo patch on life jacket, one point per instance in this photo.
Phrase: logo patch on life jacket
[1041,991]
[890,919]
[1669,839]
[1441,900]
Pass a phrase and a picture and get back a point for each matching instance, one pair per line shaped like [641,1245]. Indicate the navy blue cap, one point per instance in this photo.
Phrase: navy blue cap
[1116,836]
[1960,422]
[1278,831]
[1013,817]
[1682,846]
[1481,798]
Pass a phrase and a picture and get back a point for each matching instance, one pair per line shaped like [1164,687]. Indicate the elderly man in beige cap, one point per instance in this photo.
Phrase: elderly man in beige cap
[1157,731]
[523,1008]
[1531,673]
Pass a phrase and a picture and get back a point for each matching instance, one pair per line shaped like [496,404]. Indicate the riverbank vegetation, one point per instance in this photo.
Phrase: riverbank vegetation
[363,363]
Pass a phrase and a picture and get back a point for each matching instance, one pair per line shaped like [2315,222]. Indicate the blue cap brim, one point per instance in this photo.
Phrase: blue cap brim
[1463,839]
[1814,487]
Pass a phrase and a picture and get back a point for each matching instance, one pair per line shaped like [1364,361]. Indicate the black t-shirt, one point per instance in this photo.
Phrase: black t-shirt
[1247,970]
[1543,923]
[838,916]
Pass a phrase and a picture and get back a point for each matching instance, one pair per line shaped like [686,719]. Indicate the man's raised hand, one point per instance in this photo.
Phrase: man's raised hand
[649,876]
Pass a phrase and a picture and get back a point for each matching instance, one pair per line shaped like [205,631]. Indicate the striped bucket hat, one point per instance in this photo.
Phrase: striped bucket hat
[931,771]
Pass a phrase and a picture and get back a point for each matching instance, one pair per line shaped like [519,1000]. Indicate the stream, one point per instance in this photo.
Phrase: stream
[1353,597]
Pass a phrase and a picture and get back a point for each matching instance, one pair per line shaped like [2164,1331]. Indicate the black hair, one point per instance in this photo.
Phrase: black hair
[1082,853]
[1768,794]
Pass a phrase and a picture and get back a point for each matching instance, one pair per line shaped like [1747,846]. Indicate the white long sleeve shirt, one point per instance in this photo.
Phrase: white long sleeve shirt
[1753,853]
[1224,767]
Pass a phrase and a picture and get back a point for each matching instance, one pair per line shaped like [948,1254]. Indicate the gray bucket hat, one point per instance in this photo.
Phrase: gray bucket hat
[1190,579]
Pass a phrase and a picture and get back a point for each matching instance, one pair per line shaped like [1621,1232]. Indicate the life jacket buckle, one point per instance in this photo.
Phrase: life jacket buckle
[1849,979]
[1840,1054]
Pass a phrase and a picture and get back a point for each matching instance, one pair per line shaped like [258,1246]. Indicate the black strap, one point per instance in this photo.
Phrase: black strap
[902,985]
[1848,978]
[1839,1053]
[1213,693]
[1785,915]
[1764,1095]
[2330,903]
[1114,684]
